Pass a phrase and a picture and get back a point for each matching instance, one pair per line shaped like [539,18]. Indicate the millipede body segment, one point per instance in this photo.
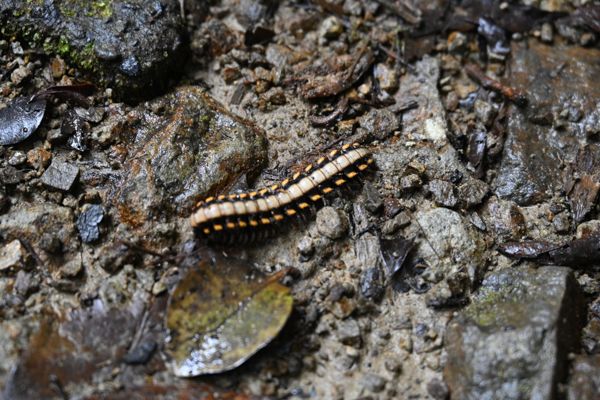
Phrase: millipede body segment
[225,218]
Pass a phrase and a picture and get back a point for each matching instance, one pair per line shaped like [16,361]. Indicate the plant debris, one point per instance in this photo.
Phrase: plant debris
[221,313]
[20,118]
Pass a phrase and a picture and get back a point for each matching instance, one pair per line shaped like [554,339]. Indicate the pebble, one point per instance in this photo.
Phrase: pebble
[405,342]
[14,256]
[331,28]
[546,35]
[158,287]
[442,193]
[59,67]
[457,42]
[484,111]
[352,352]
[72,268]
[306,246]
[60,175]
[332,223]
[373,201]
[374,383]
[473,192]
[39,157]
[393,225]
[274,96]
[19,74]
[438,389]
[386,76]
[88,221]
[141,354]
[402,322]
[348,332]
[451,101]
[393,365]
[25,283]
[17,157]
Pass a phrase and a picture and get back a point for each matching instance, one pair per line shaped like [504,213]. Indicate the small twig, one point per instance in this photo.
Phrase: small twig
[32,252]
[518,97]
[404,12]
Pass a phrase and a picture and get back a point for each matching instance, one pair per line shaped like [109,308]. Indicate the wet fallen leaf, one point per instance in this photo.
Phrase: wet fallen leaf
[20,118]
[582,183]
[393,253]
[576,253]
[62,358]
[222,313]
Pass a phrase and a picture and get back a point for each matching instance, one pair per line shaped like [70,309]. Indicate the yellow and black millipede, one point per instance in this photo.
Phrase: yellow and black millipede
[249,216]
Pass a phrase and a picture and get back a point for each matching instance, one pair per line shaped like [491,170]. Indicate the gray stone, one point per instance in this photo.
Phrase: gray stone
[26,282]
[373,201]
[60,175]
[331,28]
[332,223]
[513,341]
[348,331]
[374,383]
[442,193]
[380,123]
[399,221]
[484,111]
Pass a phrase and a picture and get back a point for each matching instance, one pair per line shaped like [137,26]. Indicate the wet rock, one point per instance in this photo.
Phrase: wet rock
[332,223]
[399,221]
[374,383]
[141,354]
[348,331]
[473,192]
[371,283]
[532,152]
[584,382]
[197,151]
[523,322]
[129,46]
[391,207]
[504,219]
[32,222]
[14,256]
[88,221]
[380,123]
[442,193]
[60,175]
[17,157]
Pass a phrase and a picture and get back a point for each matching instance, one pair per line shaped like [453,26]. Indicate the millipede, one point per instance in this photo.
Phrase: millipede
[251,216]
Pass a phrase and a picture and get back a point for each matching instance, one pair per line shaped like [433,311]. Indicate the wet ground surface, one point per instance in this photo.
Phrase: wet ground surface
[462,265]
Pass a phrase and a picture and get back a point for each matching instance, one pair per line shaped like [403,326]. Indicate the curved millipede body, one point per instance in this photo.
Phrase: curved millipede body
[251,215]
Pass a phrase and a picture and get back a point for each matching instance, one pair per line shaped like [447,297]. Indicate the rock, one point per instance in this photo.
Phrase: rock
[127,46]
[274,96]
[32,222]
[386,77]
[391,207]
[25,283]
[348,332]
[17,157]
[380,123]
[372,199]
[39,157]
[484,111]
[399,221]
[331,28]
[451,101]
[442,193]
[141,354]
[158,287]
[393,365]
[88,221]
[280,56]
[438,389]
[60,175]
[374,383]
[19,74]
[166,175]
[332,223]
[546,32]
[372,283]
[523,322]
[504,219]
[72,268]
[473,192]
[584,382]
[528,173]
[457,42]
[59,67]
[14,256]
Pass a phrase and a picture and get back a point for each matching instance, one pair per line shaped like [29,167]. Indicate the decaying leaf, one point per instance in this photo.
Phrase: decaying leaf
[222,313]
[62,358]
[20,118]
[334,76]
[576,253]
[582,183]
[393,253]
